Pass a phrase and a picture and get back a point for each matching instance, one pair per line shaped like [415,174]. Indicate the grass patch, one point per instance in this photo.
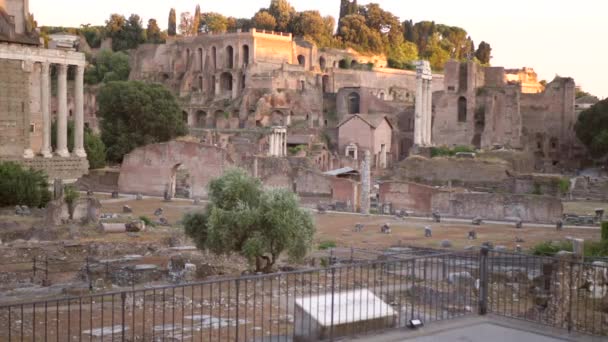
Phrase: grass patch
[325,245]
[444,151]
[148,221]
[591,248]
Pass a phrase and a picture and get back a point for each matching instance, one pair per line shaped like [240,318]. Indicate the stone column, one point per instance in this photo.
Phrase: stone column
[62,112]
[79,119]
[45,103]
[285,144]
[418,112]
[365,183]
[423,116]
[429,113]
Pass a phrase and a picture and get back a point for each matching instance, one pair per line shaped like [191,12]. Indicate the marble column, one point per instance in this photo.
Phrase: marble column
[62,112]
[45,103]
[423,114]
[418,114]
[429,113]
[285,144]
[79,109]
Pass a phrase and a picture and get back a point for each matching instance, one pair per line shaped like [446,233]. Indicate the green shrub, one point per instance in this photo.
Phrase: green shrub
[147,221]
[605,231]
[550,248]
[564,185]
[70,196]
[20,186]
[444,151]
[325,245]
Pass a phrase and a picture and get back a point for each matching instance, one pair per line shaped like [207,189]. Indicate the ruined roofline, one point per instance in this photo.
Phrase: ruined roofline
[247,33]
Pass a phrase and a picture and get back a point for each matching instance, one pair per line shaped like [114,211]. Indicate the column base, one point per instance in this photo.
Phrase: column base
[47,154]
[63,153]
[80,153]
[424,151]
[28,154]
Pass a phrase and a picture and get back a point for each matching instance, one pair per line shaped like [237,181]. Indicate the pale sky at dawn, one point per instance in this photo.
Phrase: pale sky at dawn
[561,37]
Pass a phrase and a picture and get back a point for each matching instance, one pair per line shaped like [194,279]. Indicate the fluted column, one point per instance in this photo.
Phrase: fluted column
[62,112]
[45,103]
[418,114]
[429,113]
[79,119]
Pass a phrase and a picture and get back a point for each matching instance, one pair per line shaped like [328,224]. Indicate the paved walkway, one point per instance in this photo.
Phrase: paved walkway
[482,329]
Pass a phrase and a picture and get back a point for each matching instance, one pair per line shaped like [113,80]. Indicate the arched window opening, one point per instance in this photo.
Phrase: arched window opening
[226,82]
[462,109]
[201,119]
[214,57]
[200,59]
[229,57]
[322,63]
[325,83]
[354,103]
[245,54]
[301,60]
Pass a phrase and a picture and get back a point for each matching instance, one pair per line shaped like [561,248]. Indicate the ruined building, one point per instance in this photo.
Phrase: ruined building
[25,97]
[480,107]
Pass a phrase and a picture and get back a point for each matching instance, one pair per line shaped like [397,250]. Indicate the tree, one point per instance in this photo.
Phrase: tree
[484,53]
[96,150]
[283,12]
[153,33]
[93,35]
[185,23]
[403,55]
[108,66]
[347,7]
[592,129]
[311,25]
[356,34]
[212,22]
[125,34]
[134,114]
[20,186]
[172,28]
[196,21]
[264,21]
[244,218]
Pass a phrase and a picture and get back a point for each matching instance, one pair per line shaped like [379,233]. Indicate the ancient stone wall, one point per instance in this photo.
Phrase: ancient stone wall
[14,108]
[529,208]
[474,173]
[312,183]
[152,169]
[346,191]
[407,195]
[68,169]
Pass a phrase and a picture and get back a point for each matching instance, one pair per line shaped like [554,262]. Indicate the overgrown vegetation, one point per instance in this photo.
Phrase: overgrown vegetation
[605,231]
[136,114]
[242,217]
[591,248]
[20,186]
[564,185]
[592,129]
[444,151]
[70,197]
[107,67]
[148,221]
[325,245]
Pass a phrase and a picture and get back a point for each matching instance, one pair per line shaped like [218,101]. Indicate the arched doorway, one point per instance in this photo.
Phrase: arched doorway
[180,183]
[354,102]
[229,57]
[214,57]
[201,119]
[226,82]
[322,63]
[185,117]
[301,60]
[222,119]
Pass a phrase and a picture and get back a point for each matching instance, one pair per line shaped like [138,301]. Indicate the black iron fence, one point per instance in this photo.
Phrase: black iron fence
[328,303]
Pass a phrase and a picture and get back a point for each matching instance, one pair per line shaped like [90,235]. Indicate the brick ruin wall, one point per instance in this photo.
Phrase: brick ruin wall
[14,108]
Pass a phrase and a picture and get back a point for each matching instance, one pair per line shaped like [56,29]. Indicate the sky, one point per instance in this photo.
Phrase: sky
[555,37]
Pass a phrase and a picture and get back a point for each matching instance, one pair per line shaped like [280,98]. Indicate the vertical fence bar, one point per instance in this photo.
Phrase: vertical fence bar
[483,281]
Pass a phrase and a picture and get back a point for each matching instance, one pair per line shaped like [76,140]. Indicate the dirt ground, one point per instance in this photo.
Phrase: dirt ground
[339,228]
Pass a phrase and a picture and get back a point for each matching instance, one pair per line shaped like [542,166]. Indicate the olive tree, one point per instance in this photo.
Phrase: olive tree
[258,224]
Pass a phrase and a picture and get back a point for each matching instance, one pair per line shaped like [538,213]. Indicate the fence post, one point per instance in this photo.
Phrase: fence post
[238,285]
[333,292]
[88,269]
[123,299]
[483,281]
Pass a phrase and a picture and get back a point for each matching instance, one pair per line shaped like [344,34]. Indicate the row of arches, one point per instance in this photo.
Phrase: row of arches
[219,118]
[229,58]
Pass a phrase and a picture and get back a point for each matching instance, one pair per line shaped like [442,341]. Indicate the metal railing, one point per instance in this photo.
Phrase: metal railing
[560,292]
[329,303]
[308,305]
